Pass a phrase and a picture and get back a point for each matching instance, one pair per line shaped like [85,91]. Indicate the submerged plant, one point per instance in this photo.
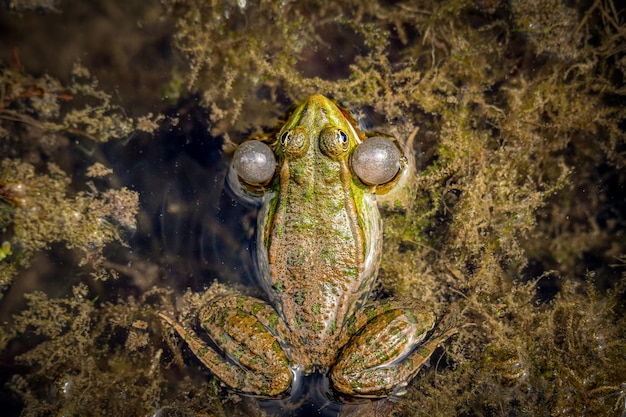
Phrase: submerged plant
[38,206]
[515,220]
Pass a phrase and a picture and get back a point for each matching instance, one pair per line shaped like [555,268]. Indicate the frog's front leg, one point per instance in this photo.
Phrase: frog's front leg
[247,330]
[387,352]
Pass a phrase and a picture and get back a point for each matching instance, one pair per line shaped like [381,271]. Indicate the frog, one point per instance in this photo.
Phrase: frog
[318,249]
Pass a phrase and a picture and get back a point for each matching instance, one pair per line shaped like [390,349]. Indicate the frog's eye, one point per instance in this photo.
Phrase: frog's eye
[293,142]
[254,162]
[334,142]
[343,138]
[376,161]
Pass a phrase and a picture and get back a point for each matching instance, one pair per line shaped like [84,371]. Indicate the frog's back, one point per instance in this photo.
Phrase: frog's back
[318,244]
[316,255]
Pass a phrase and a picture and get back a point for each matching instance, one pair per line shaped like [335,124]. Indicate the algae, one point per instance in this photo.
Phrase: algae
[515,222]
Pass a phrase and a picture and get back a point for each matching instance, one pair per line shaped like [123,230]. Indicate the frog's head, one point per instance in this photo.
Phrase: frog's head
[319,125]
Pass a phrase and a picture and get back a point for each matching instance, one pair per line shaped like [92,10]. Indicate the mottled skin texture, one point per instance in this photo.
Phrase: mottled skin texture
[319,230]
[318,250]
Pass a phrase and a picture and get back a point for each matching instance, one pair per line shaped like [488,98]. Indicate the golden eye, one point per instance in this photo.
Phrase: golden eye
[334,142]
[294,142]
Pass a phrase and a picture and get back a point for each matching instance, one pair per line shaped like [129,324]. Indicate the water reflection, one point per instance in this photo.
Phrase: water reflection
[311,396]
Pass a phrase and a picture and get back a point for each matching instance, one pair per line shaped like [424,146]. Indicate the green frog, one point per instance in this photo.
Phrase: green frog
[318,249]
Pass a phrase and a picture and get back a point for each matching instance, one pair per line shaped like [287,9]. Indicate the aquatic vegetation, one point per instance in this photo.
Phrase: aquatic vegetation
[513,129]
[37,205]
[515,223]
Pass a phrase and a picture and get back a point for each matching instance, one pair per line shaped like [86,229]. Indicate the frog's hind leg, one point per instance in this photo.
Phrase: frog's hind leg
[387,352]
[245,329]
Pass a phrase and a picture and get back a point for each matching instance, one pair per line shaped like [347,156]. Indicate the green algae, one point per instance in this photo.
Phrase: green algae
[38,206]
[515,222]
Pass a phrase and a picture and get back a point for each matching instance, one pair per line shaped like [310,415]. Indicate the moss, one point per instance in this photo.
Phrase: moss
[514,223]
[93,358]
[563,357]
[38,208]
